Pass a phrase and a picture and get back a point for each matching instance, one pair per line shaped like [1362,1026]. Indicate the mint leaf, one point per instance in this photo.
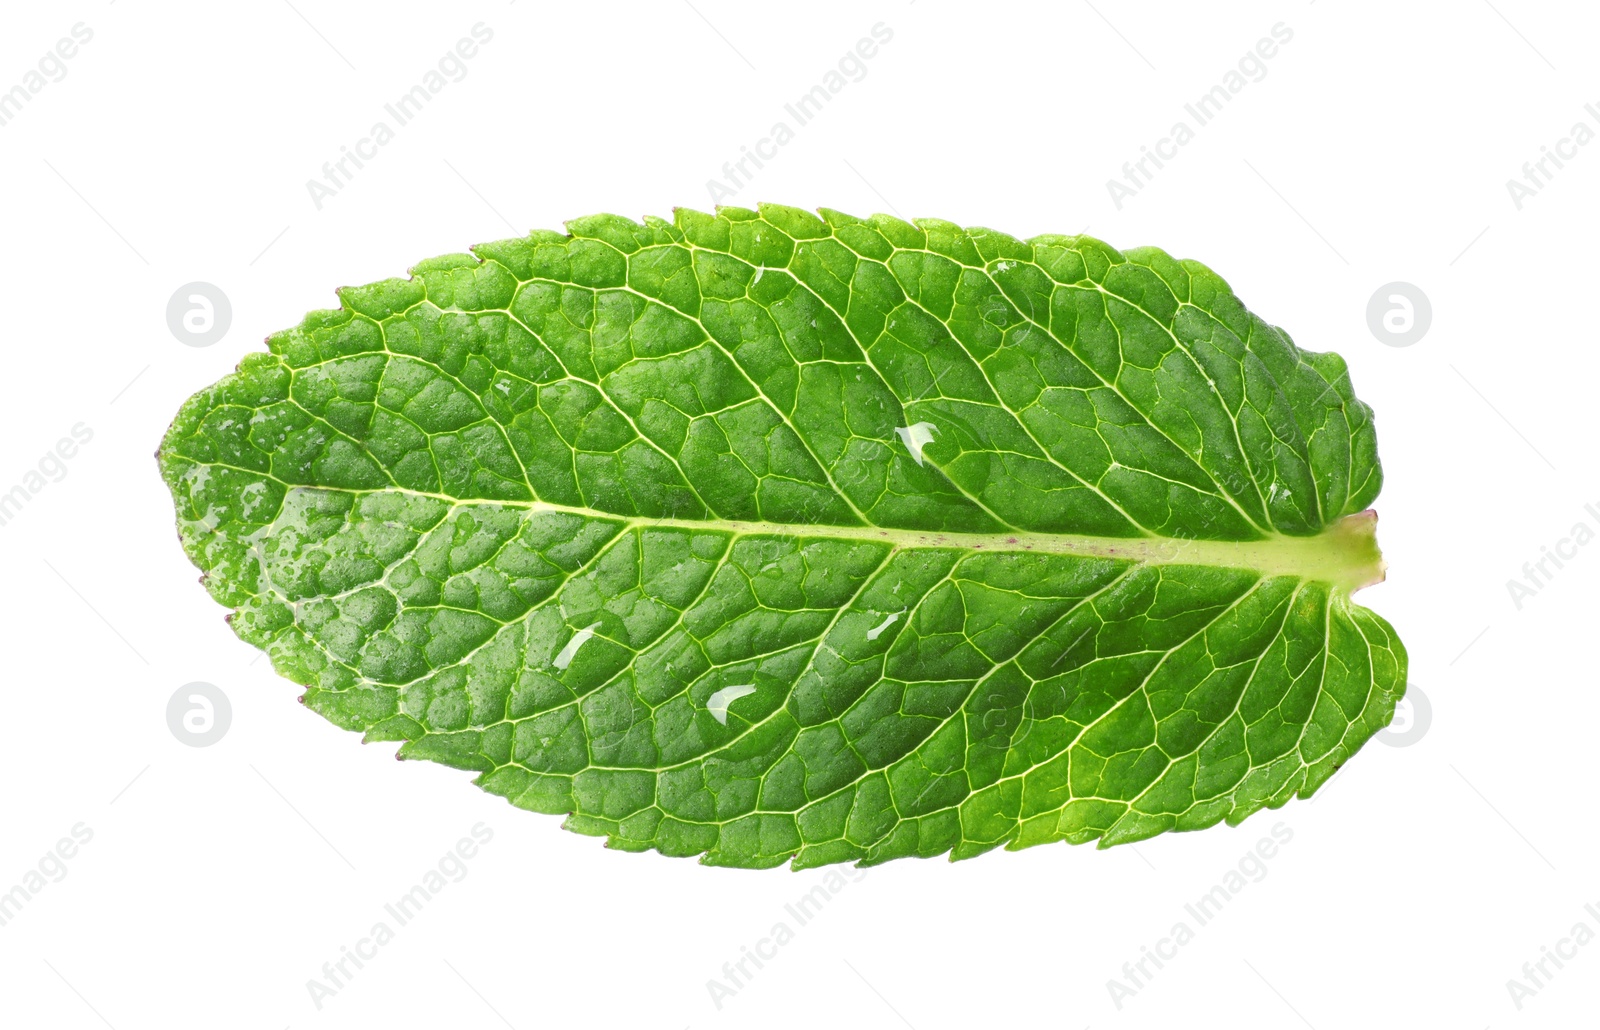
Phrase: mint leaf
[762,536]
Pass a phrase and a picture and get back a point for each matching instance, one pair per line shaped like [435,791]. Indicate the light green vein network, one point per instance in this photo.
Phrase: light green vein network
[630,522]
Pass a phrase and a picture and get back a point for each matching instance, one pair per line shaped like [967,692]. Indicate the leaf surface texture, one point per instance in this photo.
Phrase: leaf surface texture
[767,537]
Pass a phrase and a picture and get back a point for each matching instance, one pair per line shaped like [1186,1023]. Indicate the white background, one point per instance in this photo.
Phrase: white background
[1376,149]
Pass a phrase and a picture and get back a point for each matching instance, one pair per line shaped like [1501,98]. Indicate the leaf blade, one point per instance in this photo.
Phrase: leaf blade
[968,526]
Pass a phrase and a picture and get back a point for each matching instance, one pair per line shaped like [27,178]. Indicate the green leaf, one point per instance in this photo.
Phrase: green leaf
[762,536]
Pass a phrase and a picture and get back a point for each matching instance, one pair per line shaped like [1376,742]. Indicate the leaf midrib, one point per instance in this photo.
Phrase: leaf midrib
[1345,554]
